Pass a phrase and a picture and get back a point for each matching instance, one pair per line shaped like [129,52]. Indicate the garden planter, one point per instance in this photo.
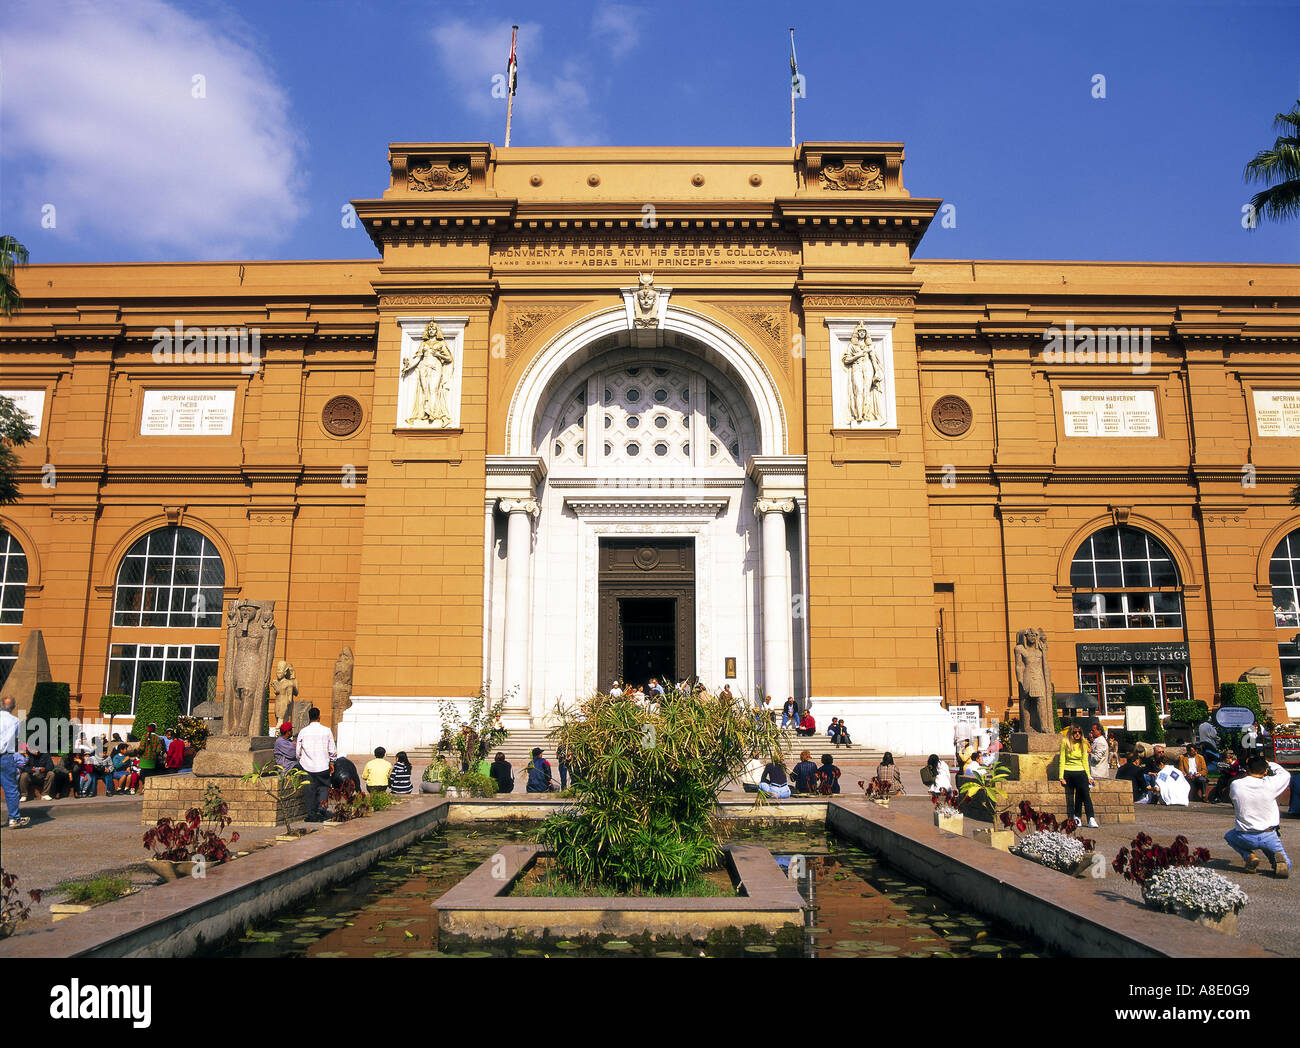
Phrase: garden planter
[170,869]
[999,839]
[1226,924]
[61,910]
[453,791]
[430,787]
[951,823]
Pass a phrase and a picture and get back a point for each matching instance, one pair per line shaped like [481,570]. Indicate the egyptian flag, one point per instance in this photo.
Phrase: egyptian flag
[512,67]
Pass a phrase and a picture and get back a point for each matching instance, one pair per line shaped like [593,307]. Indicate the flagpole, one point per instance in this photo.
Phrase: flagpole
[510,86]
[793,75]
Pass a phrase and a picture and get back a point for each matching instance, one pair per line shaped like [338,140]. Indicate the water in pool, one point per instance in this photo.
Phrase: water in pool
[856,906]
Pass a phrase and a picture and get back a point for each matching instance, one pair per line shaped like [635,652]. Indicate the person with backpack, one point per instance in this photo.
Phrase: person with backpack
[936,775]
[539,773]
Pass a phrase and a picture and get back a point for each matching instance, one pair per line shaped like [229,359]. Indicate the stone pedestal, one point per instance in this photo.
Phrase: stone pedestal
[1031,767]
[233,755]
[250,804]
[1112,799]
[1034,742]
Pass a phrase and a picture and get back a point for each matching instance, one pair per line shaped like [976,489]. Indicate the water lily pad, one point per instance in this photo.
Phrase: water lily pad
[759,948]
[529,953]
[984,947]
[957,938]
[306,940]
[617,946]
[426,953]
[385,953]
[476,953]
[564,944]
[883,947]
[330,953]
[312,920]
[375,939]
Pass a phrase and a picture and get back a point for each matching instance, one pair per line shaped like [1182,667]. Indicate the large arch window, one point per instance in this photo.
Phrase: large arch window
[13,579]
[172,577]
[1125,579]
[1284,576]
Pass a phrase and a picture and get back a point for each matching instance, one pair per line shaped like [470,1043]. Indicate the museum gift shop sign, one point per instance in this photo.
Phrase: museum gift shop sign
[1132,654]
[1109,413]
[187,412]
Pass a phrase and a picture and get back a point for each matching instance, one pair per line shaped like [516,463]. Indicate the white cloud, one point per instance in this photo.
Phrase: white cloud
[100,120]
[553,105]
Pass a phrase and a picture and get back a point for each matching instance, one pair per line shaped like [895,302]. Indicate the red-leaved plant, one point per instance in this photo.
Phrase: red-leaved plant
[1144,857]
[1026,817]
[874,788]
[347,802]
[199,833]
[12,907]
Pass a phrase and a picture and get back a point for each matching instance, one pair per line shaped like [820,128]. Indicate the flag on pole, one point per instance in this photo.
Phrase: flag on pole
[512,67]
[796,81]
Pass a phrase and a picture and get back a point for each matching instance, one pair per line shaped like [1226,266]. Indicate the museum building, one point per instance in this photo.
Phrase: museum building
[605,414]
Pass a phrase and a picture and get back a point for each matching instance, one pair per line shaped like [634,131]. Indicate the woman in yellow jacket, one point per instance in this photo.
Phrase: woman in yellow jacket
[1075,774]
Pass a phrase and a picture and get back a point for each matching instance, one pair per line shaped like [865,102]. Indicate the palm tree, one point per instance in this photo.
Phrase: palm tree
[12,254]
[1281,166]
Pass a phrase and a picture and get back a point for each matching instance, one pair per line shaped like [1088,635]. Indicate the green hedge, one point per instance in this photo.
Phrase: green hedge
[1189,711]
[158,702]
[1241,693]
[52,705]
[1142,695]
[115,705]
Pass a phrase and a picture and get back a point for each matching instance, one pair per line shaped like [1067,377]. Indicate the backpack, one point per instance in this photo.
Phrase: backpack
[927,776]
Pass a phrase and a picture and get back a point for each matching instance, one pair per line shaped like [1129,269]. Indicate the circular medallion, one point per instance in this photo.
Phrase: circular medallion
[951,415]
[697,180]
[536,180]
[341,416]
[646,558]
[593,180]
[755,180]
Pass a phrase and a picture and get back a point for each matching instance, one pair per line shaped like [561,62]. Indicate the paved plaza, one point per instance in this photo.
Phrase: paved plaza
[77,839]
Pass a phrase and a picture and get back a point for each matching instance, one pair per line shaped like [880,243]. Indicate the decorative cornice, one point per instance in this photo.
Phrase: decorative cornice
[473,300]
[646,506]
[818,301]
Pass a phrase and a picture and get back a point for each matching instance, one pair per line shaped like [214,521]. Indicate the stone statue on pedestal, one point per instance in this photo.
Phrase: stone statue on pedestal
[1034,674]
[250,654]
[286,690]
[342,683]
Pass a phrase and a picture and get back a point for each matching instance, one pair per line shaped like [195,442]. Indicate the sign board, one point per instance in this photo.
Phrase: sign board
[187,413]
[1277,412]
[31,402]
[1234,716]
[1109,413]
[1131,654]
[966,720]
[1135,718]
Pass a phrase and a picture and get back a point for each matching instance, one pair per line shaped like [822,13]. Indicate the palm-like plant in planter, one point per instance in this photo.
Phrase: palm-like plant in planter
[285,783]
[982,796]
[647,782]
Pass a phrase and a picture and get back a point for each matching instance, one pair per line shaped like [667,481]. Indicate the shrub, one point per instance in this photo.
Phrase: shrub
[1192,890]
[438,771]
[114,706]
[193,730]
[158,702]
[51,713]
[1241,693]
[1189,711]
[199,833]
[381,801]
[1142,695]
[12,907]
[478,785]
[647,786]
[97,890]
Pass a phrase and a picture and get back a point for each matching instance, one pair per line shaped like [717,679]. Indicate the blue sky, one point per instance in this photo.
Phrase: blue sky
[994,102]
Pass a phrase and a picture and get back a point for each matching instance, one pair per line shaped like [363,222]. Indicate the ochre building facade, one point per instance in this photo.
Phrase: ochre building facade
[602,414]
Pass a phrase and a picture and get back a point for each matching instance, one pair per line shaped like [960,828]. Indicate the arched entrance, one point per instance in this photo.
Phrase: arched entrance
[646,522]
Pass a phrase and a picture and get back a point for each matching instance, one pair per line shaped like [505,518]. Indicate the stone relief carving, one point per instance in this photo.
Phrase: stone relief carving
[432,365]
[431,176]
[342,688]
[250,653]
[646,303]
[855,175]
[524,325]
[1034,675]
[866,378]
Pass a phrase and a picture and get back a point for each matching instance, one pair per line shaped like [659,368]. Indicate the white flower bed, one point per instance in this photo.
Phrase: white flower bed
[1057,851]
[1194,889]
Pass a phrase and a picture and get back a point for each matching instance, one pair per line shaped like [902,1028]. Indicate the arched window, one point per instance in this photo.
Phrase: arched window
[13,579]
[170,577]
[1125,579]
[1284,576]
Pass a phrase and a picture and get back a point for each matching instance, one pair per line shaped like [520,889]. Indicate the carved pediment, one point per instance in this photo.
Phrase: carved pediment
[862,174]
[429,175]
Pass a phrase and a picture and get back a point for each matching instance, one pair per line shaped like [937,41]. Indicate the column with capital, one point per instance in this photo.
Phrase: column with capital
[776,598]
[519,544]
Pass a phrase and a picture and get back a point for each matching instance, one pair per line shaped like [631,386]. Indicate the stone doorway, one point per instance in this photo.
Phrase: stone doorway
[647,610]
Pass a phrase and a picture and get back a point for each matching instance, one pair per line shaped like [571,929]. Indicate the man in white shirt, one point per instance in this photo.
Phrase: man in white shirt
[316,753]
[1254,802]
[1172,786]
[9,725]
[1099,756]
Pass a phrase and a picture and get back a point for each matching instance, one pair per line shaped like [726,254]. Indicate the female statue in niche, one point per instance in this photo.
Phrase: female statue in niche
[866,378]
[432,363]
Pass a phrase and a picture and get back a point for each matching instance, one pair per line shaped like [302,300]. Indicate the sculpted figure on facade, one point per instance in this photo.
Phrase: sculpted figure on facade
[432,365]
[866,379]
[342,690]
[1034,675]
[285,688]
[646,300]
[250,654]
